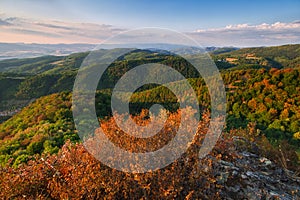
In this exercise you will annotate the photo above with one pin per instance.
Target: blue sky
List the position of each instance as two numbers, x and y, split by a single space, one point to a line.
189 15
182 15
185 15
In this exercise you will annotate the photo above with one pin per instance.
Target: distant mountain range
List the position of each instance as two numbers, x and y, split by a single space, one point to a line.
22 50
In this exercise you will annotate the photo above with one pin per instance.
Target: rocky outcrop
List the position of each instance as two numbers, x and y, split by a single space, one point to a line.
253 177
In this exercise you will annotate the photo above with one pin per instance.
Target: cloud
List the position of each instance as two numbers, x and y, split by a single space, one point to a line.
4 22
54 26
16 29
250 35
46 31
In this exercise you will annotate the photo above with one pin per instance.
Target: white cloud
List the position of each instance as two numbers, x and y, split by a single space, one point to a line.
13 29
41 31
250 35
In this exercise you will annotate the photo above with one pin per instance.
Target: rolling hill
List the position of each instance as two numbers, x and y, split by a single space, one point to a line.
266 100
286 56
40 151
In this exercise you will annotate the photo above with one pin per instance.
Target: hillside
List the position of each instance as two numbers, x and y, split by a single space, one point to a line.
283 56
43 126
286 56
28 79
41 154
58 72
269 98
242 164
38 65
266 100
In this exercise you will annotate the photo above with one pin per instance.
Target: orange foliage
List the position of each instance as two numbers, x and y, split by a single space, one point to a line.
75 174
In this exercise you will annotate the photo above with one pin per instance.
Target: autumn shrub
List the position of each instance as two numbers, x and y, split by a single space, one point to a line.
74 173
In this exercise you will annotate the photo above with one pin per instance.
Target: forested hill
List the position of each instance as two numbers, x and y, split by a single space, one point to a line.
291 51
266 100
44 64
35 77
257 93
286 56
41 153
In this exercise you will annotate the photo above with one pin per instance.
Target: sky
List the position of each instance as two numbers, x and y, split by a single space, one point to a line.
211 23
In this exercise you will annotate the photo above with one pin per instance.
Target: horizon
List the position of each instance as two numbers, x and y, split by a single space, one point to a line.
35 50
95 44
